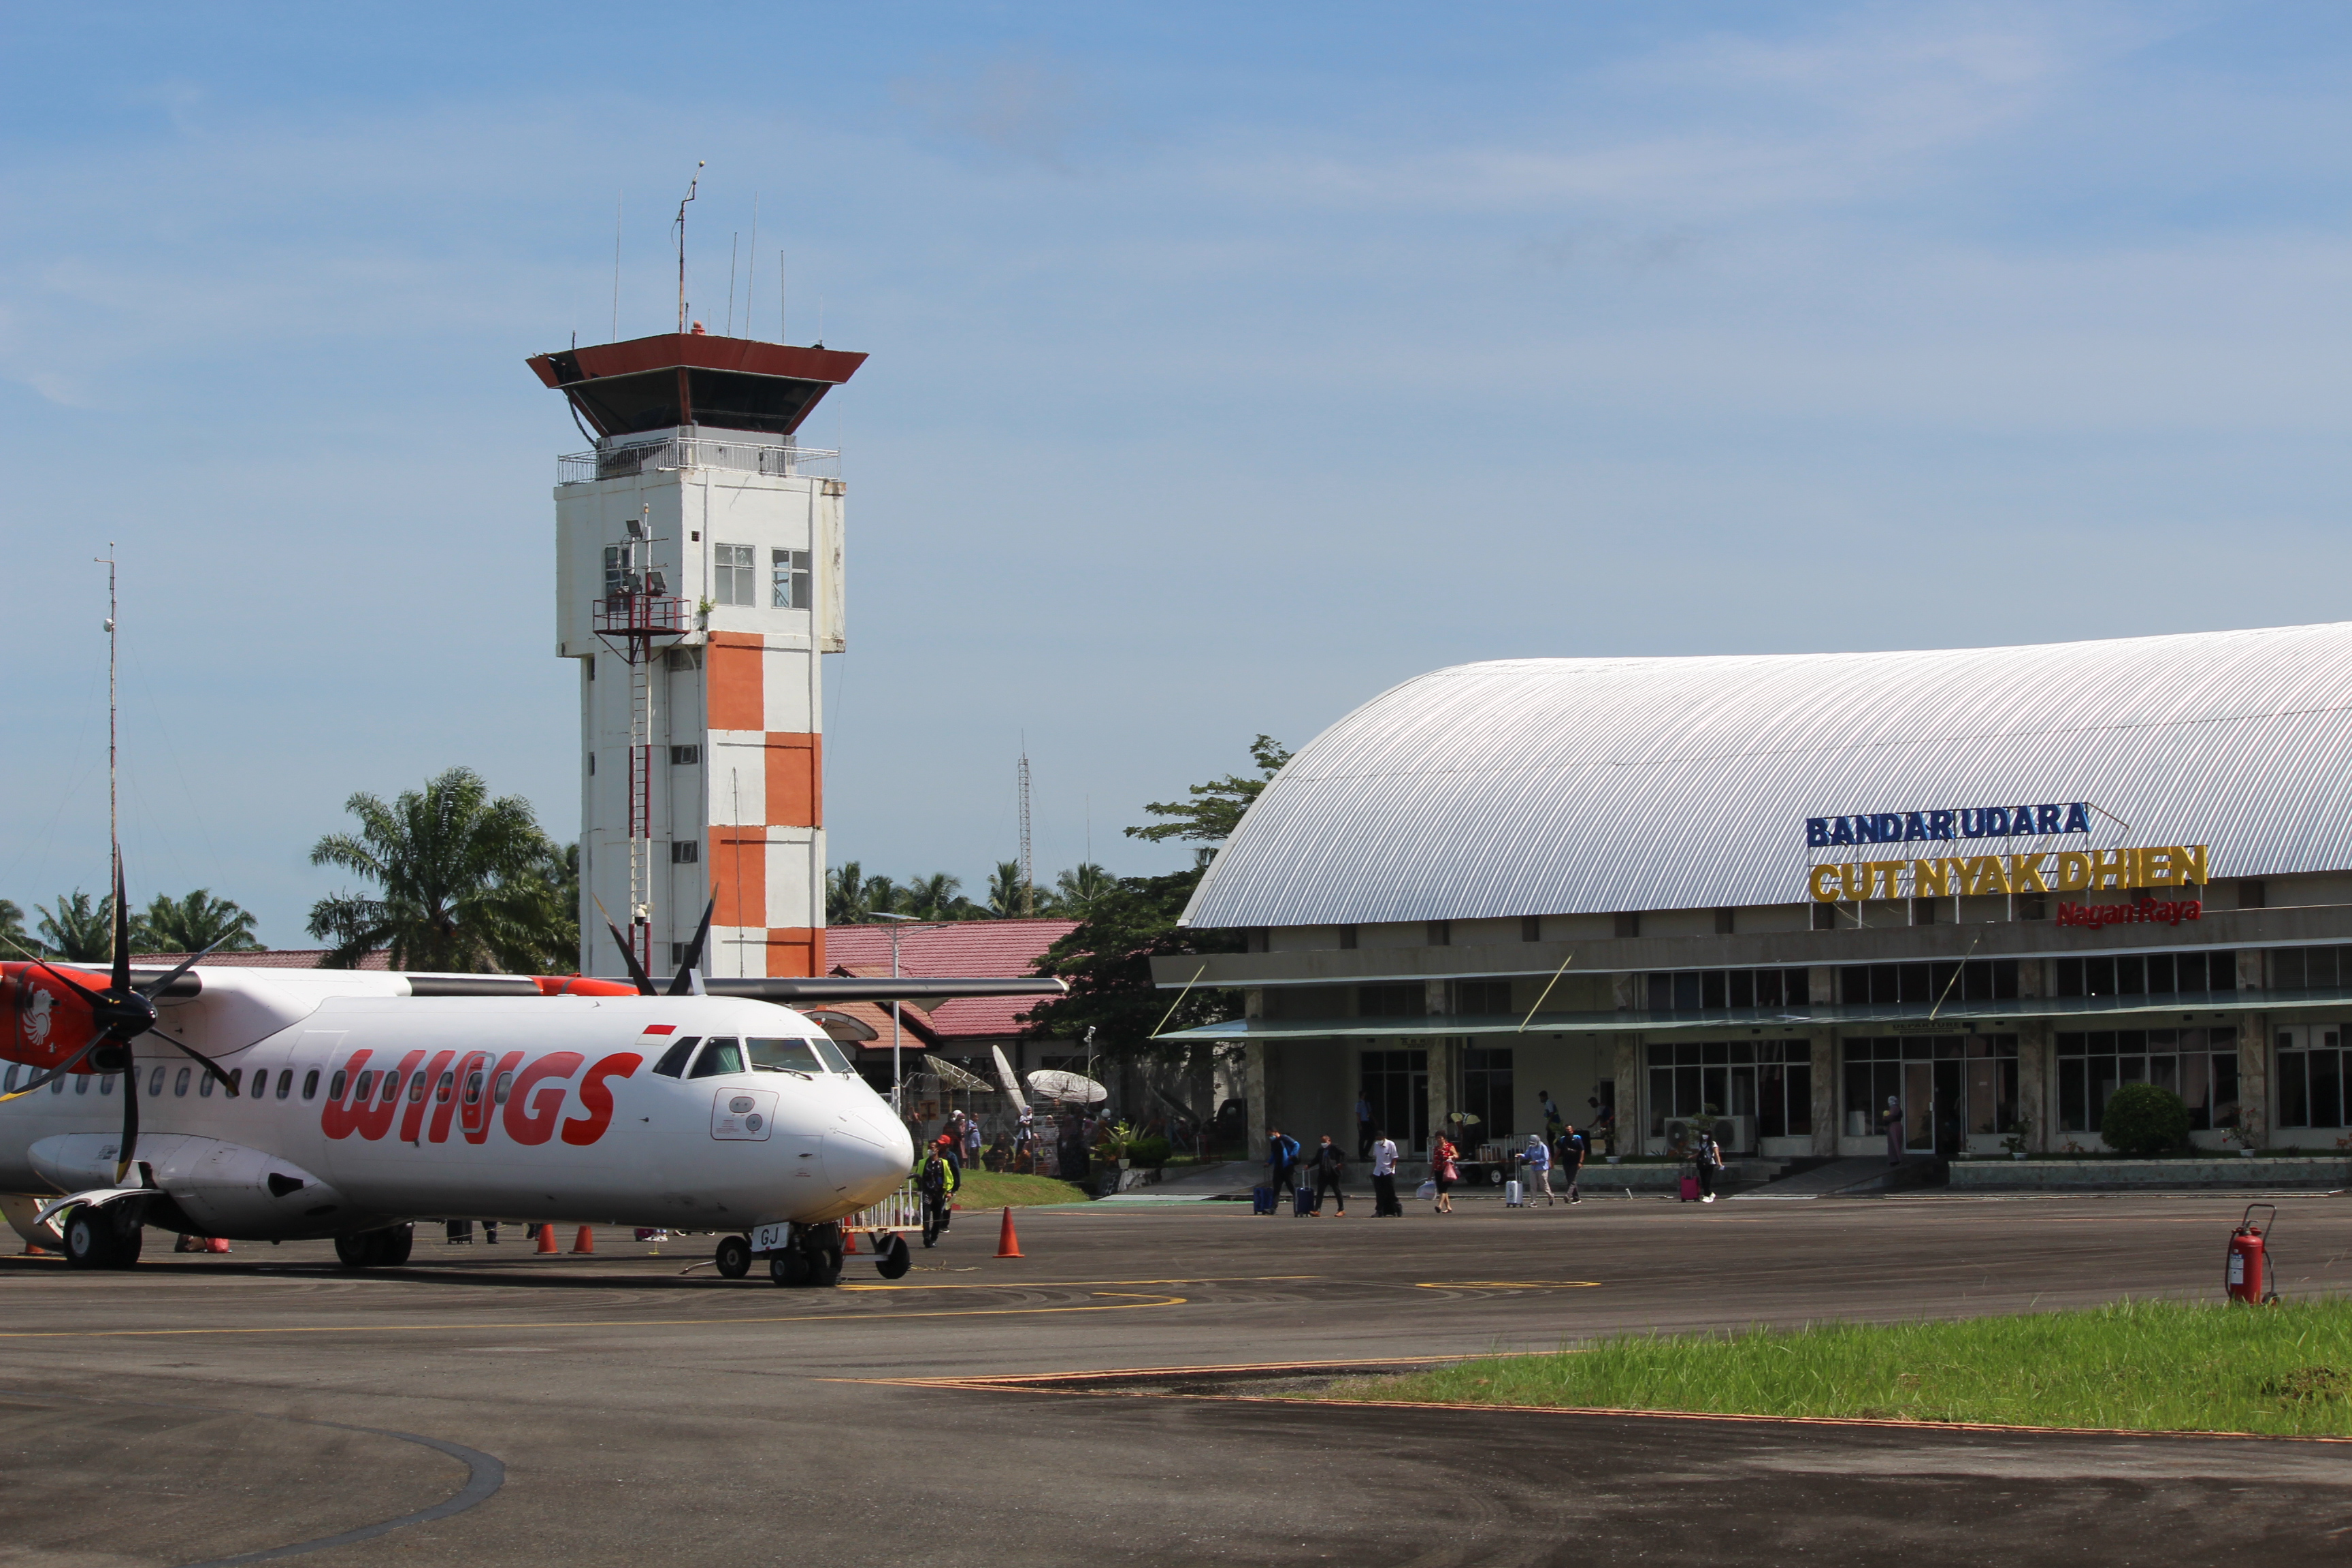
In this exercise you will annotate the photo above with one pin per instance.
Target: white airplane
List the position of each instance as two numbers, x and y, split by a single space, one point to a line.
279 1105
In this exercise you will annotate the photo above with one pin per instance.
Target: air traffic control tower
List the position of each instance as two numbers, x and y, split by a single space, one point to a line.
699 578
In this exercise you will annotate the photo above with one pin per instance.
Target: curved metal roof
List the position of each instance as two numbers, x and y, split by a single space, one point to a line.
1585 785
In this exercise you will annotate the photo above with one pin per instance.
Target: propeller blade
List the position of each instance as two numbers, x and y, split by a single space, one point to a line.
207 1063
130 1122
122 930
628 955
44 1080
155 988
688 981
68 981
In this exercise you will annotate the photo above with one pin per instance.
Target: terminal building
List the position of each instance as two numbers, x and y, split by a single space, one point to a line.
1983 887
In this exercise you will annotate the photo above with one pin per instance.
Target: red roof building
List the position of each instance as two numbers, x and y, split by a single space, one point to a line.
964 1029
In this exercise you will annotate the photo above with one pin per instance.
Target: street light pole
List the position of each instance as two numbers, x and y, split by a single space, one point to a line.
898 1075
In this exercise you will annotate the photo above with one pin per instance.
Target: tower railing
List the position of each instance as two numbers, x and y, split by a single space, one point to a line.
627 461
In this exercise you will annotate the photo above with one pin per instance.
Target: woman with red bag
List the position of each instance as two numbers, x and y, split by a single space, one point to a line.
1445 1168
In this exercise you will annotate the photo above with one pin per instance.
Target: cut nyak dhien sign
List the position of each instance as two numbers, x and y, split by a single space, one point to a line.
1976 821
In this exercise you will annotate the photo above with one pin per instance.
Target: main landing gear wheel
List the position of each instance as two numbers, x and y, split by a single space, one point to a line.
386 1249
96 1238
789 1268
734 1257
893 1259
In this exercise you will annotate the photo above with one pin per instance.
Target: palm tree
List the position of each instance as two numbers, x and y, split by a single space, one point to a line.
547 899
80 931
845 896
462 880
197 921
933 898
1076 890
882 896
14 940
1009 898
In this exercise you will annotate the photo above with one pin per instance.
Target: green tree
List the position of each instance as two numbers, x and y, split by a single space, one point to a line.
846 902
1009 898
935 898
1216 808
461 879
545 939
81 930
193 922
16 942
1076 890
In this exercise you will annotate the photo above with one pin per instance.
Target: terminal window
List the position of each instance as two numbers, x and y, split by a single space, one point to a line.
1391 1001
732 568
1770 1081
1396 1084
790 580
2310 1077
1946 1086
2156 974
2308 968
1487 1093
1692 989
1897 985
2201 1066
1482 997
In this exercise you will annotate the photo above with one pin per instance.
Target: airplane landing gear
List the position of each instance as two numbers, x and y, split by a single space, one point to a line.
892 1258
387 1249
813 1259
734 1257
102 1238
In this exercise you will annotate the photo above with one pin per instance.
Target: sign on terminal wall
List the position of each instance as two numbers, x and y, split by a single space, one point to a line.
2045 871
2051 820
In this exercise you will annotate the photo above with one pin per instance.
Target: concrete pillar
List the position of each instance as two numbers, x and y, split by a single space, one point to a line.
1435 995
1826 1094
2037 1098
1632 1116
2254 1048
1254 1089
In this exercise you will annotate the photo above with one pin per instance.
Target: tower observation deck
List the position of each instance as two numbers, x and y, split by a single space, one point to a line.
700 556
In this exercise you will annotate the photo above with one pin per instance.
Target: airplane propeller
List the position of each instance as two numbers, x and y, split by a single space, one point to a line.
122 1012
688 979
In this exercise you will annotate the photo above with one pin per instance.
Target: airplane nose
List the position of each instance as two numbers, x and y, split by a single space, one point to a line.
869 1156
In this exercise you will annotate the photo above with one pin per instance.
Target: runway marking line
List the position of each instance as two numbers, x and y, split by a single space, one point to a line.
1047 1383
1212 1280
595 1322
1507 1284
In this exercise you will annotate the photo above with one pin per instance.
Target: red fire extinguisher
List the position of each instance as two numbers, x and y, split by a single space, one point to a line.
2246 1267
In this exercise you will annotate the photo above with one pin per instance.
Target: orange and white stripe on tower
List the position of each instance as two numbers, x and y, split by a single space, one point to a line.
741 532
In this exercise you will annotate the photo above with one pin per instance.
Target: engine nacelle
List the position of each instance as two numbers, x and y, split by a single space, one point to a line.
46 1023
223 1189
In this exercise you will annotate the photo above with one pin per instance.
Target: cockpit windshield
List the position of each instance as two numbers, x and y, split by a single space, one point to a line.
783 1055
832 1054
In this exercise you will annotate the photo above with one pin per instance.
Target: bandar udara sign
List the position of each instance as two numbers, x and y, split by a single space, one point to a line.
2032 871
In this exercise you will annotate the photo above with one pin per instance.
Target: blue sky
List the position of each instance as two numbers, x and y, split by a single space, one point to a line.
1230 364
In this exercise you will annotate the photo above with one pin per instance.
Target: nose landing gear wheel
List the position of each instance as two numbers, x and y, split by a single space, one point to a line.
734 1257
893 1259
789 1268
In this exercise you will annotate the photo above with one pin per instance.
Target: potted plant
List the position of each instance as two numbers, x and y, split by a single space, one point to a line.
2020 1130
2237 1132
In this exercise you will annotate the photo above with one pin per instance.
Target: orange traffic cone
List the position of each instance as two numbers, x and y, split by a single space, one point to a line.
848 1242
585 1241
1007 1244
547 1239
216 1243
35 1249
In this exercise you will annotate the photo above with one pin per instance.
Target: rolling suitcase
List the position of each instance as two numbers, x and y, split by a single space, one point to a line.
1261 1200
1515 1195
1302 1202
1690 1189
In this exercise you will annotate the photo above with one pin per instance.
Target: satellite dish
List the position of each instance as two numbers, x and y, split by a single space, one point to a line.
1070 1086
1466 1119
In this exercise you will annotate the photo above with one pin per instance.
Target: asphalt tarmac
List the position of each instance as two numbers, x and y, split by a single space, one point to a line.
486 1405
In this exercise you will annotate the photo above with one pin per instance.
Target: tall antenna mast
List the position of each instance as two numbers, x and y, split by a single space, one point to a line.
1028 880
618 198
113 807
690 187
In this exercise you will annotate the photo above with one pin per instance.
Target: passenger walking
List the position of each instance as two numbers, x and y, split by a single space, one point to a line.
1364 1129
1281 1160
937 1180
1384 1158
1567 1156
1709 1155
1445 1168
1331 1164
1537 1158
1550 1113
970 1141
1893 1117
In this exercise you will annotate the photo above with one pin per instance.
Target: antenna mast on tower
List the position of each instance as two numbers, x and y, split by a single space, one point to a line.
1028 880
681 244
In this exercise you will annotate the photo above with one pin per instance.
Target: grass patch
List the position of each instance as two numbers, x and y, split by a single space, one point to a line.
996 1190
2140 1365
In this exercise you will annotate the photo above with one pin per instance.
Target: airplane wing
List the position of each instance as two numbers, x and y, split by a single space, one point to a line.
879 988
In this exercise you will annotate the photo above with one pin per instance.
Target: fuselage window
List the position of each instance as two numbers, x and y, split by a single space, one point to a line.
832 1054
81 1082
205 1087
473 1088
235 1076
9 1079
717 1057
310 1084
441 1091
180 1084
506 1082
285 1083
390 1087
57 1086
366 1087
416 1088
337 1084
106 1084
783 1055
673 1060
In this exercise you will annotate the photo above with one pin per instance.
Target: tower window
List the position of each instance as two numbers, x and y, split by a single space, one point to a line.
685 756
789 571
731 569
685 852
683 659
613 574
